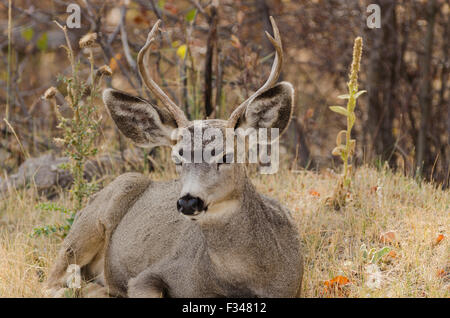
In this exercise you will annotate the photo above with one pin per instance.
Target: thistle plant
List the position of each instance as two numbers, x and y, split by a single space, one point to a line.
80 130
346 150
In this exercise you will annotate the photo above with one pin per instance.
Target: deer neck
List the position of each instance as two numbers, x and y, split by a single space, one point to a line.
228 227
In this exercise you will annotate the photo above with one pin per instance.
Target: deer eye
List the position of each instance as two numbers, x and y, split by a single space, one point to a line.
177 158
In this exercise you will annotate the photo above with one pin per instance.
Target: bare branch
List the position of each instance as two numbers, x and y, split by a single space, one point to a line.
273 77
178 114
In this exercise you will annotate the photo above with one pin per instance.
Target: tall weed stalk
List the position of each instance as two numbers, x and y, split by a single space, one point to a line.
345 146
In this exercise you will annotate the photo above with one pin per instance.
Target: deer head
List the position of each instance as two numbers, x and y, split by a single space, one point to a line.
215 180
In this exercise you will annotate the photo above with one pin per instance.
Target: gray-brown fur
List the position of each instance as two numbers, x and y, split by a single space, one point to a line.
132 241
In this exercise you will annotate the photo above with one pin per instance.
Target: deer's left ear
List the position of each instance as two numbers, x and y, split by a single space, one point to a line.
271 109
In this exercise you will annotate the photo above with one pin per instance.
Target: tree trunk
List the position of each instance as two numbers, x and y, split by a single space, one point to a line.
425 88
211 43
381 83
303 154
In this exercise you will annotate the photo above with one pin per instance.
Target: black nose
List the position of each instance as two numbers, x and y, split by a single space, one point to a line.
189 205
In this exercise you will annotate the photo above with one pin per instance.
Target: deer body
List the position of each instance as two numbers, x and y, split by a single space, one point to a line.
208 233
234 257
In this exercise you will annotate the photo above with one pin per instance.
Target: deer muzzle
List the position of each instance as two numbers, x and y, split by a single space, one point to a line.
189 205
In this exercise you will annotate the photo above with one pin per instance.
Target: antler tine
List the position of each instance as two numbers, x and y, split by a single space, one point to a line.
178 114
271 80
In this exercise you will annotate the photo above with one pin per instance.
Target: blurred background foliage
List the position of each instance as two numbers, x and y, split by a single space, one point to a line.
213 54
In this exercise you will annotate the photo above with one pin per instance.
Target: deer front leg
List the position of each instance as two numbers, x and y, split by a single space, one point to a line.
82 244
93 226
147 285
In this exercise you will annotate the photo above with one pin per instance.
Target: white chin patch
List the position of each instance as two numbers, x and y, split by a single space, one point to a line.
196 216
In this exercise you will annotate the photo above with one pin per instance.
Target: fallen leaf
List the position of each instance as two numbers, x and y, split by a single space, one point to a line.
336 285
338 281
392 254
441 273
314 193
390 257
439 239
388 237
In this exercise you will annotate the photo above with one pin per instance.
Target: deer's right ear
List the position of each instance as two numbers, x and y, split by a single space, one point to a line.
139 120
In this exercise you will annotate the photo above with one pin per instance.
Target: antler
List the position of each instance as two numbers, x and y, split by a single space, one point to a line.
177 113
273 77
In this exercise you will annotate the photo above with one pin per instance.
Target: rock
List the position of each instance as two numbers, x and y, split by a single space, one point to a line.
45 172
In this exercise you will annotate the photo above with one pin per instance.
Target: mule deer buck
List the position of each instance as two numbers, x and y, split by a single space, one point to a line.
207 234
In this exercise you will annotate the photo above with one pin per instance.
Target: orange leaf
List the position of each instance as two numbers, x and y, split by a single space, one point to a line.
113 62
171 8
441 273
439 239
388 237
338 281
336 286
314 193
392 254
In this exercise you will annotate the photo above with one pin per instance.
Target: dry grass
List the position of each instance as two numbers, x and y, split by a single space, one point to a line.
331 239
